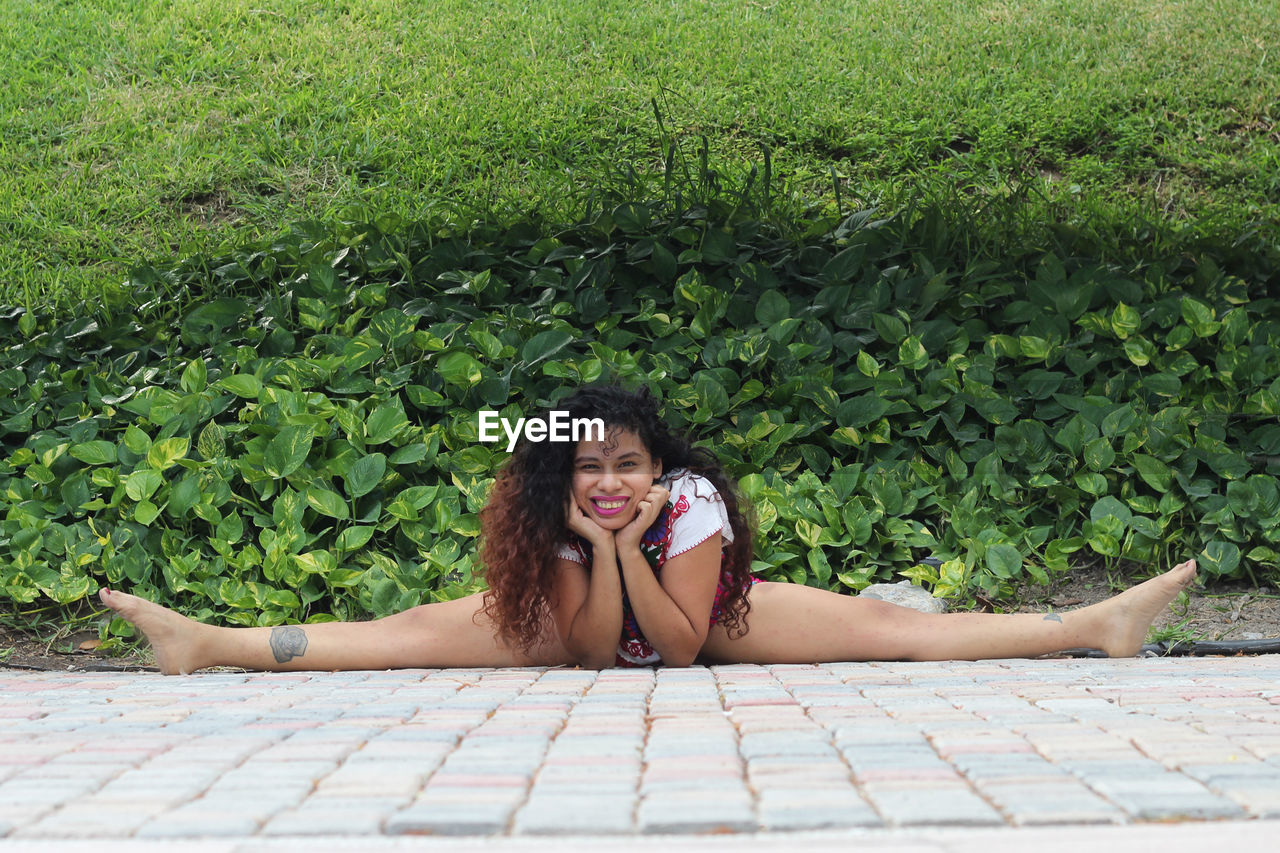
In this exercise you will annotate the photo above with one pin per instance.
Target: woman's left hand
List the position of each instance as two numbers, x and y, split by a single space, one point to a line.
650 507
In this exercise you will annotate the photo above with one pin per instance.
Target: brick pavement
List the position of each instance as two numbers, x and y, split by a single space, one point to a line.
872 750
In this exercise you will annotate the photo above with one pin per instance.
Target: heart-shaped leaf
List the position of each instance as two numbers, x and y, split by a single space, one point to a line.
365 474
287 451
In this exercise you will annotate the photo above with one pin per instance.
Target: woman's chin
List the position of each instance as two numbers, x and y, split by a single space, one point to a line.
614 522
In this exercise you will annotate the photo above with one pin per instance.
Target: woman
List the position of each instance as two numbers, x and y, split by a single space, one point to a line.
630 548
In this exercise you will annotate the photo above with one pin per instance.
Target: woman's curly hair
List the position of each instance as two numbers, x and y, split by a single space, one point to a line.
524 524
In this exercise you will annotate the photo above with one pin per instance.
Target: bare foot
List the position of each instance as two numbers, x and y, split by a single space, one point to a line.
173 637
1124 619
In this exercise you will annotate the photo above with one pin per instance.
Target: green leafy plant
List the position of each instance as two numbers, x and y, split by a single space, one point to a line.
289 432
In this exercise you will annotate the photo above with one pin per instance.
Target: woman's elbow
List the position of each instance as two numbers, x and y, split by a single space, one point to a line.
589 658
596 661
681 658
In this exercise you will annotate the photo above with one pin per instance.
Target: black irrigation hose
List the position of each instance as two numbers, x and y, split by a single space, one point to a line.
1195 648
1265 646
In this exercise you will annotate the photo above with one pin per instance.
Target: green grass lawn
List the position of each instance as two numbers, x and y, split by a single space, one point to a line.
137 131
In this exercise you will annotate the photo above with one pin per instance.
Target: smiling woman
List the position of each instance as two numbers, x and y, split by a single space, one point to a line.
591 564
610 474
633 550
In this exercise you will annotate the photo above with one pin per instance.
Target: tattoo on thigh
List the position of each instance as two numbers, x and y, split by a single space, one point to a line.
1052 617
288 643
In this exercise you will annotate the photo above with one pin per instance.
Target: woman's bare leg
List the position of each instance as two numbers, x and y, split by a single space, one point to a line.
790 623
452 633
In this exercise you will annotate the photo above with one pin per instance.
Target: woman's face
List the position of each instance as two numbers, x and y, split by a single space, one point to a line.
611 477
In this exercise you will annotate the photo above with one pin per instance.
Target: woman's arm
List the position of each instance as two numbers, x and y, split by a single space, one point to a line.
587 606
674 614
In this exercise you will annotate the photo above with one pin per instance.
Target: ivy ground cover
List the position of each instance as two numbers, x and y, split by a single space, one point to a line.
290 431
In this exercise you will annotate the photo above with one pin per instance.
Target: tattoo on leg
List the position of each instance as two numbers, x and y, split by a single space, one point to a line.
288 642
1052 617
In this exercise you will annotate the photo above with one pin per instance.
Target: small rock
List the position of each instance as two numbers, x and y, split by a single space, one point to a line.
905 594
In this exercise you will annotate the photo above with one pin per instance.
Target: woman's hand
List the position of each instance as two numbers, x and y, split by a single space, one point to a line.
650 506
584 526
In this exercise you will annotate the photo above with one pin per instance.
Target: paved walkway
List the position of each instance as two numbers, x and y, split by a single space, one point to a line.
901 756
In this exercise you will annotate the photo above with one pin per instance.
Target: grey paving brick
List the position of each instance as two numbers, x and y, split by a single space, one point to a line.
582 812
1233 773
1065 814
785 743
1168 784
577 785
1178 807
687 814
451 818
817 816
862 761
88 821
475 761
1116 769
1032 766
827 797
352 818
691 748
691 783
927 806
180 824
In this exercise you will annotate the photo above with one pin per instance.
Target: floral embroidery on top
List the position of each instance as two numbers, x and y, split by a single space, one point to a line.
656 546
657 537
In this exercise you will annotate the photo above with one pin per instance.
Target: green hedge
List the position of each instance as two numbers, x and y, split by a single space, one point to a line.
290 432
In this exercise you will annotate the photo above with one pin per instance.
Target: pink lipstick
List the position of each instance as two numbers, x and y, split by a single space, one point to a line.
606 507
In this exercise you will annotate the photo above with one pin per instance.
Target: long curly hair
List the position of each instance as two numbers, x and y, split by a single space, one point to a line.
524 524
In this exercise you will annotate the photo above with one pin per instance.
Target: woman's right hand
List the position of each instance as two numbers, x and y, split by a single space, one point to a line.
586 527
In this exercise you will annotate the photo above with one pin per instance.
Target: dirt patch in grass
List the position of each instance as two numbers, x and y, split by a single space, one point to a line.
1228 611
75 652
207 206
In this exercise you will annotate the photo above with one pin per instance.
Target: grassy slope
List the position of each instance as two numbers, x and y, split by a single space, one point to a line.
133 131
